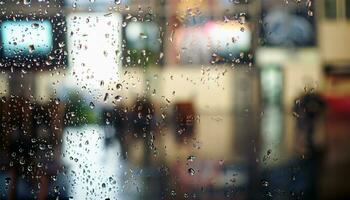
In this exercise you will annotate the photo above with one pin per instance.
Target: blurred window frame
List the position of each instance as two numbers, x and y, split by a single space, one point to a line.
338 10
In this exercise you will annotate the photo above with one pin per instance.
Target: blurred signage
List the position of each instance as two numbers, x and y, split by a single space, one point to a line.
225 40
36 42
24 38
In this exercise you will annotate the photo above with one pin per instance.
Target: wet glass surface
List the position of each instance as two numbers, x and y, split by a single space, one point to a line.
174 99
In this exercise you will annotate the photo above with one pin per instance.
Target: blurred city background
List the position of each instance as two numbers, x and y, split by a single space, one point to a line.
174 99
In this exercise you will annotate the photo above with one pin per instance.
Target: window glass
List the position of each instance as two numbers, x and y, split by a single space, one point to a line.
174 99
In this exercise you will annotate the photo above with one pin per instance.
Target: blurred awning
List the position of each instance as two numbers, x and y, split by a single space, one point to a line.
338 105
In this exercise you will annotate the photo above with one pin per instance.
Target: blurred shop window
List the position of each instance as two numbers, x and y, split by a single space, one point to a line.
330 9
213 42
211 32
142 44
347 9
337 9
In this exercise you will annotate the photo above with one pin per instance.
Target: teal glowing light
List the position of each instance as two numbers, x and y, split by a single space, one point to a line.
23 38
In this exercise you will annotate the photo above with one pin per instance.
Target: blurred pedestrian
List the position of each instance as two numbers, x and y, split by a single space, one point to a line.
308 110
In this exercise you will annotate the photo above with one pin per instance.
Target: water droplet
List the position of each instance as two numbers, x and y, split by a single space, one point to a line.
22 161
56 189
40 164
119 86
269 152
57 101
118 98
310 13
92 105
35 25
143 36
47 62
61 44
191 171
31 48
185 195
171 36
42 147
191 158
264 183
7 180
296 115
27 2
106 97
